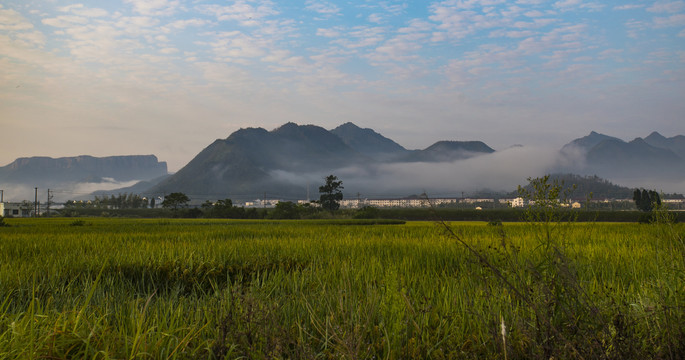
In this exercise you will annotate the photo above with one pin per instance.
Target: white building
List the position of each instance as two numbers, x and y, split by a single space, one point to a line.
518 202
390 203
262 203
14 210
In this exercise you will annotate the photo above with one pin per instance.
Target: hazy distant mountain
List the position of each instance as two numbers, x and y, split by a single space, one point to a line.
610 157
46 171
251 162
587 142
675 143
445 151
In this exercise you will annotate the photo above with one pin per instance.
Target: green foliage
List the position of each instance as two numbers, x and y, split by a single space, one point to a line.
562 318
646 200
586 185
224 209
175 200
77 223
331 193
3 223
367 212
226 289
285 210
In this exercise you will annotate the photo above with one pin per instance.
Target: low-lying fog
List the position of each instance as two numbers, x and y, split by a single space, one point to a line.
501 171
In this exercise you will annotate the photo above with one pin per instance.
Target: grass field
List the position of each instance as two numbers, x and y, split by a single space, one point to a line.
195 289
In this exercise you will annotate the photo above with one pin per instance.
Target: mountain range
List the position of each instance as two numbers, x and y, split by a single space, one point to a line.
611 157
290 161
254 161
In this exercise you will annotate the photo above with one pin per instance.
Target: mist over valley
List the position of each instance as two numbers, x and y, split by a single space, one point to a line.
290 162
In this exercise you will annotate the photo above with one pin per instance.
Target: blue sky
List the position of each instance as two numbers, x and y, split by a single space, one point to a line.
167 77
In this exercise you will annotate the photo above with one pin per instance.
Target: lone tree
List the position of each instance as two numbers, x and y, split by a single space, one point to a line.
646 200
175 201
331 193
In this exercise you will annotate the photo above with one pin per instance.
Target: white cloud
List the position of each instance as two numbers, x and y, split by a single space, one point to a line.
360 37
667 6
566 5
154 7
669 21
182 24
32 39
65 21
534 13
168 50
81 10
375 18
628 7
241 11
13 21
323 7
496 54
513 34
235 46
330 33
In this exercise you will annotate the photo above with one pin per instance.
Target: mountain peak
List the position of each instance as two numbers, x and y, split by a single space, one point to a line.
588 142
638 141
348 125
655 136
675 143
367 141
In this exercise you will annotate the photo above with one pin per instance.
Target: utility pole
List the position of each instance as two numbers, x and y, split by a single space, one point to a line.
35 204
264 201
50 196
2 196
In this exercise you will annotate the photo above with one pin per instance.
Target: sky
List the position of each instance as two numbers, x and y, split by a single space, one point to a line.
168 77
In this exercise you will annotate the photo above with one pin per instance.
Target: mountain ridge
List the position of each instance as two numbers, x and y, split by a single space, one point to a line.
254 161
611 157
277 161
82 168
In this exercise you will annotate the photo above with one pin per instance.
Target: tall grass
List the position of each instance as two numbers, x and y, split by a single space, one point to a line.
197 289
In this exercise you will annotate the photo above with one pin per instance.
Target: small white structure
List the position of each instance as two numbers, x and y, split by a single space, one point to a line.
517 202
14 210
258 203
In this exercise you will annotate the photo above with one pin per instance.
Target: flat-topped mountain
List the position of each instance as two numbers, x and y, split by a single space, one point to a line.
46 171
445 151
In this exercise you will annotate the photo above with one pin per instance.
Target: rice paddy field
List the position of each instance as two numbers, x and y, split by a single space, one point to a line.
96 288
